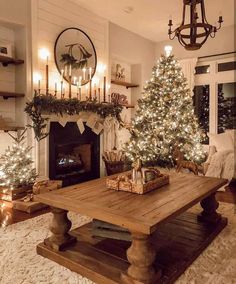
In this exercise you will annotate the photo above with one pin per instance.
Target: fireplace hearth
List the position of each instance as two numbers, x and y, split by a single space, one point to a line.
73 157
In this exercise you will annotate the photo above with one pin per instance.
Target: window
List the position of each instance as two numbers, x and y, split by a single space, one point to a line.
227 66
202 69
226 106
201 107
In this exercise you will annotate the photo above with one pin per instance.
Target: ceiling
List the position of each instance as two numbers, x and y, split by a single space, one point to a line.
149 18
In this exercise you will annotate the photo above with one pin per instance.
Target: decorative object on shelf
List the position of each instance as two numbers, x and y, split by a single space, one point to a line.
181 163
165 116
120 72
140 180
75 55
16 171
48 104
5 49
119 99
198 29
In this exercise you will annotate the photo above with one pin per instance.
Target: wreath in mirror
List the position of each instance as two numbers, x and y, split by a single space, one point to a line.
75 55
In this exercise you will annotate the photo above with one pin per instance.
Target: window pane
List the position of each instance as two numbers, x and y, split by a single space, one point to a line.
201 107
202 69
227 66
226 106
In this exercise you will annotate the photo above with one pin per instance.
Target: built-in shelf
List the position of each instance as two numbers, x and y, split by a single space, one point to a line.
7 95
9 60
125 84
11 128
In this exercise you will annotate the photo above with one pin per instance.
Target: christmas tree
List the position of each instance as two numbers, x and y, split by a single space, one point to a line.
165 118
16 165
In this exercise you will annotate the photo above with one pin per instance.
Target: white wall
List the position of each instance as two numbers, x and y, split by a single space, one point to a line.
223 42
135 50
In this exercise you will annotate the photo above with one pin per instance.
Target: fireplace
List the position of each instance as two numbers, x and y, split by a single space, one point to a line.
73 157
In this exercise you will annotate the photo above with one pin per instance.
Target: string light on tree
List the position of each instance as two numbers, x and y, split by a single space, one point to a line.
165 118
16 168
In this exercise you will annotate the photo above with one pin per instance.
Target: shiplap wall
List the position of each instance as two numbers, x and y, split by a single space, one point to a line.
54 16
7 83
50 17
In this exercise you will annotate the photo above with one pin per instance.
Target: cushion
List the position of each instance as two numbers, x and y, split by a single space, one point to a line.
232 133
221 141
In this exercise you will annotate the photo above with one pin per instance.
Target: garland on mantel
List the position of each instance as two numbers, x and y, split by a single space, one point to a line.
48 104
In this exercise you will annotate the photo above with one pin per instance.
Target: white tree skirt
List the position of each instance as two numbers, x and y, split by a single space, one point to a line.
19 263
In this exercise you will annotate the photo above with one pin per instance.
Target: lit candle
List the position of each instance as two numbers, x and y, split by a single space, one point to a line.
61 89
55 88
74 80
84 74
70 70
62 73
44 54
65 70
87 87
90 73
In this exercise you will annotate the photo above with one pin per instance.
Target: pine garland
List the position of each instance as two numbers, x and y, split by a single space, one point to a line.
48 104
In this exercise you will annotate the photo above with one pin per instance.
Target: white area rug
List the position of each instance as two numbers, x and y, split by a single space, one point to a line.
19 263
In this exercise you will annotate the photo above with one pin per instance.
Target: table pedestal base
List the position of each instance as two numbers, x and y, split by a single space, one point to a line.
177 244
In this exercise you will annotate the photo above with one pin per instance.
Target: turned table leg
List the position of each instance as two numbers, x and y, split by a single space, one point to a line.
209 214
59 227
141 256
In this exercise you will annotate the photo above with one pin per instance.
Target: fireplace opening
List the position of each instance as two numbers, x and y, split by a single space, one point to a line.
73 157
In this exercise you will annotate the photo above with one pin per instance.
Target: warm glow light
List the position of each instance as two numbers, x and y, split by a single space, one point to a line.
101 68
37 77
168 50
44 53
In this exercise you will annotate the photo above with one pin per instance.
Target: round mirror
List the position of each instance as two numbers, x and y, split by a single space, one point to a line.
75 56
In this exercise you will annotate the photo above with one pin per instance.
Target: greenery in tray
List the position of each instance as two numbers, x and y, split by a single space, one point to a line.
48 104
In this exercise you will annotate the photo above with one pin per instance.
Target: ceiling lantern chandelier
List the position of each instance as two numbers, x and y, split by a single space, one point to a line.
194 34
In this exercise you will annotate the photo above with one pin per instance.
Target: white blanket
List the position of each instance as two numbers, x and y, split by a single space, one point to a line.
222 165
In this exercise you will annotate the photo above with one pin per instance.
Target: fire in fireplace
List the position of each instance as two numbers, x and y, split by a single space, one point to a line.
73 157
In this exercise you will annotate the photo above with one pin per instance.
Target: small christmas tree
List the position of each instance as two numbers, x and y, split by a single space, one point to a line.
165 118
16 165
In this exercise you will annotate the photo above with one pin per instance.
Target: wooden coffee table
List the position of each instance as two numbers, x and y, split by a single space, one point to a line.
165 238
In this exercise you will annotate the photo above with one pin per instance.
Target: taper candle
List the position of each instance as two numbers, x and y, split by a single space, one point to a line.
84 74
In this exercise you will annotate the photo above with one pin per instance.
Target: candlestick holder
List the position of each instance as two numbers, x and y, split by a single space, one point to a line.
70 77
61 89
104 89
90 89
47 79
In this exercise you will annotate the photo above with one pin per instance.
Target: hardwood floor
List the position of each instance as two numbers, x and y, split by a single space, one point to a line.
9 216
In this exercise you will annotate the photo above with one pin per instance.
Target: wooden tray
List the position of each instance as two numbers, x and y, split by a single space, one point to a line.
130 186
